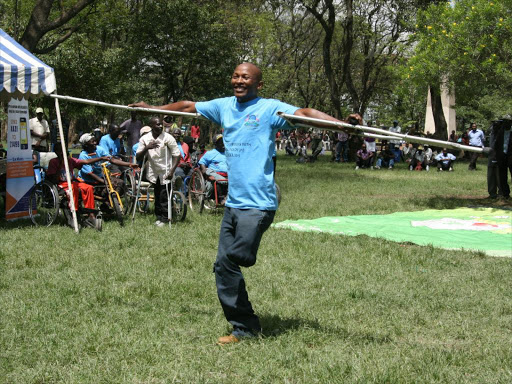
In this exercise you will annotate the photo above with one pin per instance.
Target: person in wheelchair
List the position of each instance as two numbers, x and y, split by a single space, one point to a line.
56 173
214 166
92 173
185 166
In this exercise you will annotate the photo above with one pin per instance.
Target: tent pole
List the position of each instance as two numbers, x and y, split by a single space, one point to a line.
66 165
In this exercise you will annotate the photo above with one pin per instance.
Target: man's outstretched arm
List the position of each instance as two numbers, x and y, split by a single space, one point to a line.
180 106
316 114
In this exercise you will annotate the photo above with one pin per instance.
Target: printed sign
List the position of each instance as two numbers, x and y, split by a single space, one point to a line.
20 172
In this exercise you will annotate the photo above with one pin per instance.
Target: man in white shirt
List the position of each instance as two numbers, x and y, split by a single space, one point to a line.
445 161
163 157
39 130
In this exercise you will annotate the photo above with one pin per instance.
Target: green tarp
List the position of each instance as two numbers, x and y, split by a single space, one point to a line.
479 229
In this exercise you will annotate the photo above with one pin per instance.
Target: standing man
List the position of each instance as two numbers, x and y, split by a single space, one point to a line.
39 131
500 159
476 139
342 146
249 126
132 127
195 132
163 156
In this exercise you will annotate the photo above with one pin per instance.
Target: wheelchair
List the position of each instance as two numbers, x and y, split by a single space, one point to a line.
198 198
146 196
47 201
109 200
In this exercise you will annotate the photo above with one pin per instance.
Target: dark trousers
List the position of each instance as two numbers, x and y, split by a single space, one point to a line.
342 148
161 198
240 235
364 163
472 160
444 166
497 178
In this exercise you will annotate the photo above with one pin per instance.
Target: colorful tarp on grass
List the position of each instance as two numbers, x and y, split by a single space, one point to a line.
478 229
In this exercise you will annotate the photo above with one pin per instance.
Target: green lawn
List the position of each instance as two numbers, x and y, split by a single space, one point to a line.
137 304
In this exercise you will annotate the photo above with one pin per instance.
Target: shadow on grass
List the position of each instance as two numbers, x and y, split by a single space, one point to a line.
274 326
452 202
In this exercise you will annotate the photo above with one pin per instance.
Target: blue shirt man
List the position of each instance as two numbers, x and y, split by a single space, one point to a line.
111 142
249 126
215 159
476 139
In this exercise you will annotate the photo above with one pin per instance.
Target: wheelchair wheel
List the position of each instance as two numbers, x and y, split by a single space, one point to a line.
196 189
117 209
179 206
130 191
44 204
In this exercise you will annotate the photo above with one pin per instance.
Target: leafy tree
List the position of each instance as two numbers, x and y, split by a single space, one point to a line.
467 45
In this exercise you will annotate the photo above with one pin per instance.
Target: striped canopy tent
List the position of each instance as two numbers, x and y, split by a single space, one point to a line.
21 73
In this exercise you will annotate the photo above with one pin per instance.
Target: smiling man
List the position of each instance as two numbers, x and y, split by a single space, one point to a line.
249 125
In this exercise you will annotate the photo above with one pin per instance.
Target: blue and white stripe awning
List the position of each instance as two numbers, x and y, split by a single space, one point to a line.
21 73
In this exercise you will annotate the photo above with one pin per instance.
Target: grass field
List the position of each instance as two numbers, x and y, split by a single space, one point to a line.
137 304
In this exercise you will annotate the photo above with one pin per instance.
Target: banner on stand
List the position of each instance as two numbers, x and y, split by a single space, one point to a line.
20 171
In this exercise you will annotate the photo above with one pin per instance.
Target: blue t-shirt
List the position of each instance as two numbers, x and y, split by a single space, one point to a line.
249 131
134 149
113 147
215 160
94 167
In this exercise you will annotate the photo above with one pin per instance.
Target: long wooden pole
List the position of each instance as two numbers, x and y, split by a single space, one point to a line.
339 126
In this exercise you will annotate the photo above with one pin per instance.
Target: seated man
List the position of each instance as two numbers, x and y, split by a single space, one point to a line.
185 165
419 161
364 158
213 164
92 173
445 161
56 173
386 158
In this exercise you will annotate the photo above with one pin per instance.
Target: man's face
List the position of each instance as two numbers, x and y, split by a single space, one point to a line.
39 116
363 147
246 82
177 134
156 127
473 127
445 151
91 145
219 145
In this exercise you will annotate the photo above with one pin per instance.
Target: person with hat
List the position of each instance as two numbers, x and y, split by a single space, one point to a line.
249 125
92 173
162 160
214 165
419 161
39 131
143 131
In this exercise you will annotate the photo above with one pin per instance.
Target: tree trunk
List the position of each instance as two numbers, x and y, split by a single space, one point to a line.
437 111
40 24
